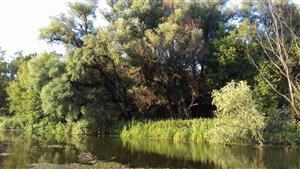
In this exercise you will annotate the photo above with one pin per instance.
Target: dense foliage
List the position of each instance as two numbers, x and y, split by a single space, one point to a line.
161 59
3 83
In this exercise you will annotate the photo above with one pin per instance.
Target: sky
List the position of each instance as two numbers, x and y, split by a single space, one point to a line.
21 20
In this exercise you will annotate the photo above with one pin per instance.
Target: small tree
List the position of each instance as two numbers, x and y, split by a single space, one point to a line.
238 118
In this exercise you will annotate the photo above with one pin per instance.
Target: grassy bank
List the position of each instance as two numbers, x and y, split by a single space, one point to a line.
173 130
48 128
217 130
208 131
240 119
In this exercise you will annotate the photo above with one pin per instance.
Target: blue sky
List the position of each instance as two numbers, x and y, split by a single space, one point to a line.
21 20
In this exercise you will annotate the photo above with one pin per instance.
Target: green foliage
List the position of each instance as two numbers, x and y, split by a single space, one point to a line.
3 83
84 126
43 100
238 117
24 93
70 29
32 76
165 46
282 133
234 99
265 95
15 64
43 69
173 130
56 99
228 59
7 123
278 61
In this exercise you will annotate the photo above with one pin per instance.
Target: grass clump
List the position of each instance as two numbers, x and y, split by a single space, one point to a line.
172 130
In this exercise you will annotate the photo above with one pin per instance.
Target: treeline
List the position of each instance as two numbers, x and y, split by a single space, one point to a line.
157 59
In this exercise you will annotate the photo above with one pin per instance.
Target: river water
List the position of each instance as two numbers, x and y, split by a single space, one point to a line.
18 151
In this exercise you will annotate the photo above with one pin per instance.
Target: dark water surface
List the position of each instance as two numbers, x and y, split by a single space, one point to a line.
19 152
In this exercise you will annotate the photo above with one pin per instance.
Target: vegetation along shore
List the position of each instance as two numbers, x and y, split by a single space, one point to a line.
183 71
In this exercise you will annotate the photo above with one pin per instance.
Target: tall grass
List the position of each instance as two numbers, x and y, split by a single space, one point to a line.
173 130
205 131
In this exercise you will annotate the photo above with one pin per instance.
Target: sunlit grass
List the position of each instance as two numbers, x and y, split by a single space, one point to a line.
173 130
203 131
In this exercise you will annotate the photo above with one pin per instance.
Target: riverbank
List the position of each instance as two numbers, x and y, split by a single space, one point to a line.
173 130
206 131
98 165
229 131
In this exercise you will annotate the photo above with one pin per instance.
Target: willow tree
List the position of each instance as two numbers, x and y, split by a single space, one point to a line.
93 79
166 45
24 92
70 28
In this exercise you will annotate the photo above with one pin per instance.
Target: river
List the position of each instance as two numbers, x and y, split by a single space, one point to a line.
19 151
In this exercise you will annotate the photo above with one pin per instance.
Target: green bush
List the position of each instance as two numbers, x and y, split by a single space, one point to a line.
281 130
81 127
238 118
8 123
48 126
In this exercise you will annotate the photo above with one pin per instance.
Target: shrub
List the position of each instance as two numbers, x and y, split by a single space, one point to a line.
238 118
84 126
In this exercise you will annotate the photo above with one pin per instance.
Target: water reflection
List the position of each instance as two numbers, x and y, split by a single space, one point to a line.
18 151
220 156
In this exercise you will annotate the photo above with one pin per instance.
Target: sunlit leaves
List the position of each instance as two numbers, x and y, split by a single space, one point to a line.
32 76
70 29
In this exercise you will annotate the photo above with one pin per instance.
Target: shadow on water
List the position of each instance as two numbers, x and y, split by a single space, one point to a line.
18 151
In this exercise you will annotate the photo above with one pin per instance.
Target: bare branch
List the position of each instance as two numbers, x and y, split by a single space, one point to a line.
277 49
